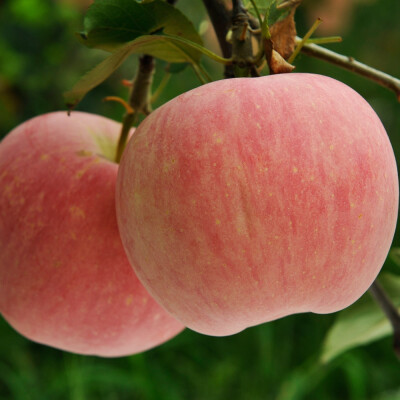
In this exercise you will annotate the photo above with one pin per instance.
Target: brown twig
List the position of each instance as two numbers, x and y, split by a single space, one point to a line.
390 311
353 65
220 18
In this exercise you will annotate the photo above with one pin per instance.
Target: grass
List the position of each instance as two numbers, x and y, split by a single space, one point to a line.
271 361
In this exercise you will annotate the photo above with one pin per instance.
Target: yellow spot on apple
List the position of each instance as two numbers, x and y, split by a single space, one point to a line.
270 194
218 140
129 300
226 194
331 147
84 153
258 125
360 216
217 222
77 212
44 157
352 205
214 164
258 106
313 276
295 170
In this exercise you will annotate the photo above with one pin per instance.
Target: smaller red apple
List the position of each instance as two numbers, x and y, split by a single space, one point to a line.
65 280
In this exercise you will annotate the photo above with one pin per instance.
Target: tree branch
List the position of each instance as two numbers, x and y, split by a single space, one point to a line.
390 311
351 64
220 18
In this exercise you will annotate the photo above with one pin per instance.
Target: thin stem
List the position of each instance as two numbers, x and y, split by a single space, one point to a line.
325 40
129 120
352 65
303 41
390 311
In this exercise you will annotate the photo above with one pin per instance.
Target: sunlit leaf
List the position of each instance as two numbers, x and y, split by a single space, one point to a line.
269 8
109 24
362 323
172 49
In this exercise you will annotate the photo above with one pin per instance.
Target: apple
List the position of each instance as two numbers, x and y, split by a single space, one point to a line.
65 280
249 199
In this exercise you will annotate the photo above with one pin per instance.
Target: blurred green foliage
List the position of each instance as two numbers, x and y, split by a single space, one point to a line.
39 60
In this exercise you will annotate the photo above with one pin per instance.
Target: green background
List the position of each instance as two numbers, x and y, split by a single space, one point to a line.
39 60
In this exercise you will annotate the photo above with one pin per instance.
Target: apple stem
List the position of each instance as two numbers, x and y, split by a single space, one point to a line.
139 100
351 64
390 311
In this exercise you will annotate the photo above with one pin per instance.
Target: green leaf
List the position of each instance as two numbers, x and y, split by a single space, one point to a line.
94 77
262 5
269 8
176 68
362 323
109 24
173 49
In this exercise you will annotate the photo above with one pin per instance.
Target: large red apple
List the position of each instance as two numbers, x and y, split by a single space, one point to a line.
246 200
65 280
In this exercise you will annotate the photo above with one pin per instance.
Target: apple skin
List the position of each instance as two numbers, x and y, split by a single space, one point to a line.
65 280
249 199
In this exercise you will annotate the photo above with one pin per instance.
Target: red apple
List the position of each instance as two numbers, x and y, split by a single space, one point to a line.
246 200
65 280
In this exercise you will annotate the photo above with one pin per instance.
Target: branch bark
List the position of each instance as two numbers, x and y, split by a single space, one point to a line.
220 18
352 65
